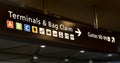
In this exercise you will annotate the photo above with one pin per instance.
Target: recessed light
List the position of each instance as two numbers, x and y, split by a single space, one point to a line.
35 57
82 51
109 62
90 61
66 60
110 55
43 46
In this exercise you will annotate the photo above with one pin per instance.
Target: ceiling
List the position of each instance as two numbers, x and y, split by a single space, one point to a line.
81 10
20 52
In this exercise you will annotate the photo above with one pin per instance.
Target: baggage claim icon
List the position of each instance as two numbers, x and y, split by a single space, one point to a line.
55 33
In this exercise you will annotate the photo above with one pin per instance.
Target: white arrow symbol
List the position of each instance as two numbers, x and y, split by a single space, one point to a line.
78 32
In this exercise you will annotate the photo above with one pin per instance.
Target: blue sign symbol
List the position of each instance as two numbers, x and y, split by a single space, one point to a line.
26 27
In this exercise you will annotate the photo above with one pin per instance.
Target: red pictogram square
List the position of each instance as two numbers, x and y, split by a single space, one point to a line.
10 24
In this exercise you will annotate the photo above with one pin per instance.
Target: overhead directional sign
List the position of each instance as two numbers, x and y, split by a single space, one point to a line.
32 25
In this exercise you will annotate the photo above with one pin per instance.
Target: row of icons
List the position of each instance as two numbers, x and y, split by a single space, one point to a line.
40 30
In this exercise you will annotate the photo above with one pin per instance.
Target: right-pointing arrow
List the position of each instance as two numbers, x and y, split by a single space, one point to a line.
78 32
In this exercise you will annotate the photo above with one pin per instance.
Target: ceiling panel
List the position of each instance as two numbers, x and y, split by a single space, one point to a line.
82 10
94 55
4 44
27 49
58 52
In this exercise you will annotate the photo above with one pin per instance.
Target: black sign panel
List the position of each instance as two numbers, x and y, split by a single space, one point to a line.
20 22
